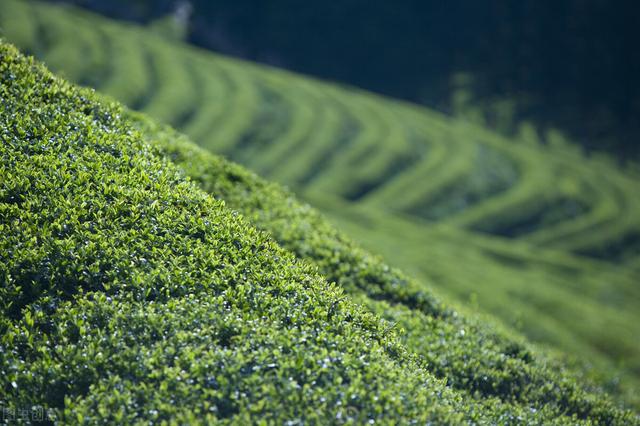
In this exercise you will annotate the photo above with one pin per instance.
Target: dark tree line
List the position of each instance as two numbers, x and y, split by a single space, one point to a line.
570 64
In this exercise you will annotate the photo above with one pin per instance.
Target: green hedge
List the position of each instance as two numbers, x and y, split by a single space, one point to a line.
129 294
411 164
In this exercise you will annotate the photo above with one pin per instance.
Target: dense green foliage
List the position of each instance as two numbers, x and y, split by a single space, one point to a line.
129 293
124 282
537 235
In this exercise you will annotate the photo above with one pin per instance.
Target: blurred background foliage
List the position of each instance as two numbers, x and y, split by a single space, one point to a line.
571 65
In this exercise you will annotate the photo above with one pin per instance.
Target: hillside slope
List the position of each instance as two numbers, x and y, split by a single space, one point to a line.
539 236
130 294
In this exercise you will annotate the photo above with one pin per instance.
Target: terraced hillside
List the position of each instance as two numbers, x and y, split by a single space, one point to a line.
536 234
131 295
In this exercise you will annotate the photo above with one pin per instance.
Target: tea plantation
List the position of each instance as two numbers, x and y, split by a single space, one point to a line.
146 278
